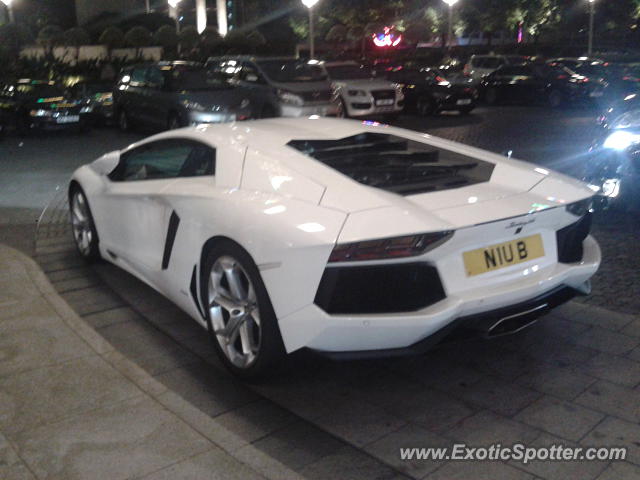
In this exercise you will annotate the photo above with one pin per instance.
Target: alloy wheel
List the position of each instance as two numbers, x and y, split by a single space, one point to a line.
234 312
81 223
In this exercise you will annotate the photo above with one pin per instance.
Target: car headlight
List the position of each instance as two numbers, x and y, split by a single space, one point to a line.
357 93
193 106
290 98
41 113
621 140
388 248
87 109
245 103
580 208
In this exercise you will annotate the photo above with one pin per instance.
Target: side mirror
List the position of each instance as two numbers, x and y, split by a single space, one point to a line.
106 163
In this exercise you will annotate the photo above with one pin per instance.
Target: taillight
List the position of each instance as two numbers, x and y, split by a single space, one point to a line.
387 248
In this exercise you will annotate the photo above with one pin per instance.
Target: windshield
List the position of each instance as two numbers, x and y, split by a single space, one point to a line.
292 71
40 90
349 72
192 78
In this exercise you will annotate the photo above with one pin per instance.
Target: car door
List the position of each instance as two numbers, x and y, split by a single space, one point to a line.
134 100
156 101
136 214
250 78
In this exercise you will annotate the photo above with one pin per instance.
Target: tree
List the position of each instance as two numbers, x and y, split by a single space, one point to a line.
167 38
50 37
211 41
112 37
337 34
189 38
488 16
138 37
76 37
14 36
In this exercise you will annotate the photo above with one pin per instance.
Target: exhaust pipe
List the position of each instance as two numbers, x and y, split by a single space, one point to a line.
516 322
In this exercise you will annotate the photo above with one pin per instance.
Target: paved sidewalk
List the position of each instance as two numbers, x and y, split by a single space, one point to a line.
72 407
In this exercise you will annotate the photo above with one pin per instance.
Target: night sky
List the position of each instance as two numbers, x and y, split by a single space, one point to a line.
41 12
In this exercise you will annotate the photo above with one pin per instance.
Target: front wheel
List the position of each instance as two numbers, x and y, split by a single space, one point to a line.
555 99
241 320
492 96
124 123
85 234
173 122
426 106
466 110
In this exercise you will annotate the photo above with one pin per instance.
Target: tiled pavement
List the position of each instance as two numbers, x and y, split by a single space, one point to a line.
573 379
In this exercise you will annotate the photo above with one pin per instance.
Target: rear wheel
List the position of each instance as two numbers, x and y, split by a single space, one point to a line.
426 106
267 112
492 96
241 320
84 230
466 110
124 123
342 110
173 122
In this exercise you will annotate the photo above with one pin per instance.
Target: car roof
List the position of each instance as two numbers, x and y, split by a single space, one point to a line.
250 58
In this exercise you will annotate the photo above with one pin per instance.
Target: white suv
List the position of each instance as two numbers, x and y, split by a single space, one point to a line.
362 95
479 66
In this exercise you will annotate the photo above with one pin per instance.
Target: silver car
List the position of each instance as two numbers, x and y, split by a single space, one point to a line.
285 87
177 94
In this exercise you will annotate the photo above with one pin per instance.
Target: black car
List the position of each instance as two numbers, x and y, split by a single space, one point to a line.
38 104
95 99
176 94
427 92
553 85
613 162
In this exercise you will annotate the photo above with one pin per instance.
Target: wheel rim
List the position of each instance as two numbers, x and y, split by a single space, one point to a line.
234 312
81 223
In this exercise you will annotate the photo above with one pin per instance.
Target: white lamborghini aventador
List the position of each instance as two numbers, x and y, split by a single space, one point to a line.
345 237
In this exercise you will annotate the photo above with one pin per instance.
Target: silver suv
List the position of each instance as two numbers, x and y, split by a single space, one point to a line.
177 94
285 87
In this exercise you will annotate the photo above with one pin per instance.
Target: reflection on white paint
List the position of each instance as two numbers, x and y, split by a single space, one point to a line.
472 199
542 171
278 180
311 227
276 209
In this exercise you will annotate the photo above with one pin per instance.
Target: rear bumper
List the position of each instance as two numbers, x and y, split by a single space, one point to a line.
313 328
321 109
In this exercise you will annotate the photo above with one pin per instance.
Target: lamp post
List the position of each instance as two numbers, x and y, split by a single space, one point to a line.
451 3
173 12
592 11
9 10
147 6
312 47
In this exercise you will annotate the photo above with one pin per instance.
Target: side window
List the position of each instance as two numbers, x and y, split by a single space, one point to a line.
166 159
250 74
154 78
138 77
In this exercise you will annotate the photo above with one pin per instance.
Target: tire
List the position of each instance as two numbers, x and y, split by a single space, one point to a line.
390 117
230 275
426 106
342 111
267 112
555 99
124 122
84 230
492 96
466 110
173 122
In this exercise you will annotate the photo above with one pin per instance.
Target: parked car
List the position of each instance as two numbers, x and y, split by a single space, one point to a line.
345 237
613 162
38 104
479 66
170 95
286 87
537 83
427 92
95 99
362 95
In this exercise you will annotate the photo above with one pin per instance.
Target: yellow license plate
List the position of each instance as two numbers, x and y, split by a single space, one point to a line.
501 255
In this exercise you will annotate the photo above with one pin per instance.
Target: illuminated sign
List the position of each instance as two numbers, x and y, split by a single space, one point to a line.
387 38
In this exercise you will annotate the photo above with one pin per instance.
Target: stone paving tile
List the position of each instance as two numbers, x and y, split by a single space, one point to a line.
214 464
613 432
553 350
564 382
11 466
632 329
635 354
479 471
36 341
612 399
128 439
69 274
43 395
151 349
600 317
65 264
388 448
92 300
298 445
442 376
256 420
621 471
109 317
359 423
560 470
212 391
77 283
12 307
348 464
486 428
607 341
505 398
560 418
614 369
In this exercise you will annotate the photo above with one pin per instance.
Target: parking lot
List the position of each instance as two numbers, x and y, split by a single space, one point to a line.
572 379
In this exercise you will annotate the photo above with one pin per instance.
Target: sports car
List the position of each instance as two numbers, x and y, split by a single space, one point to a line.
344 237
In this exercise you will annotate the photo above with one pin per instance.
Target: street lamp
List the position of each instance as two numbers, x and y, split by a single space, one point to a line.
173 12
451 3
310 4
592 11
9 10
